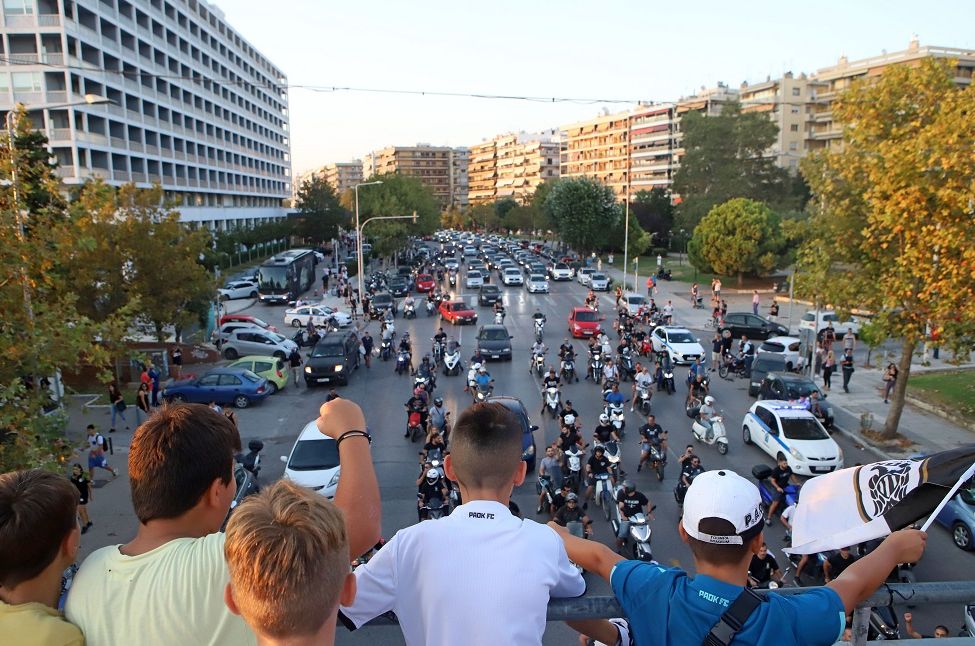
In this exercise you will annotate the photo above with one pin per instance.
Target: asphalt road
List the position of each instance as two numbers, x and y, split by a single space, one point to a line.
382 394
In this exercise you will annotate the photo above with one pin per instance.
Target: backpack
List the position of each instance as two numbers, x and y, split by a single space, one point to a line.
100 439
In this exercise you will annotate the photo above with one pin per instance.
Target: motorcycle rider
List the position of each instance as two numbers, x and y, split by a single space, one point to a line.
605 431
763 569
597 465
569 435
697 389
538 316
429 486
570 513
425 369
408 301
483 379
566 349
417 404
499 309
652 434
440 338
782 476
591 300
551 379
367 345
438 418
642 379
610 372
549 468
630 502
705 413
435 448
614 397
538 348
691 469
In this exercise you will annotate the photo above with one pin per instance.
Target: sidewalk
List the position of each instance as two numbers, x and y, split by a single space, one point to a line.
929 433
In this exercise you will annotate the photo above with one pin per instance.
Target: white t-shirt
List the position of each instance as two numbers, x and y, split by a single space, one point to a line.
479 577
787 513
171 595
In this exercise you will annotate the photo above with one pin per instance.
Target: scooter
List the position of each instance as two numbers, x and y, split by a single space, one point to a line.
658 461
553 401
433 510
414 427
568 368
545 485
451 362
614 455
596 366
481 393
762 473
644 396
639 531
437 351
627 370
409 311
539 329
601 493
402 362
668 381
617 417
539 362
715 435
573 462
430 308
499 318
385 350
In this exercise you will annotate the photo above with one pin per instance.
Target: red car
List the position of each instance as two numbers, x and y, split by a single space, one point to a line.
425 283
458 312
584 322
245 318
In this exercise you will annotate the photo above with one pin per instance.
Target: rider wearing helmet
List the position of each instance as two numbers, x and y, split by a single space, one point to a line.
571 513
538 348
706 412
597 465
630 502
425 370
483 378
605 432
438 417
429 486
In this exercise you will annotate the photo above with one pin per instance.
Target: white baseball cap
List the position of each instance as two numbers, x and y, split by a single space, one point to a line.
726 495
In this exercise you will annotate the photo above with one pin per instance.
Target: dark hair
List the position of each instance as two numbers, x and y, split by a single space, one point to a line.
176 455
37 511
90 426
722 554
486 445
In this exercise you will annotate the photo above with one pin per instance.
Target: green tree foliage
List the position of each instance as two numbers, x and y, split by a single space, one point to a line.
725 159
397 195
655 213
320 211
583 211
892 229
454 218
638 242
522 218
739 237
503 206
484 217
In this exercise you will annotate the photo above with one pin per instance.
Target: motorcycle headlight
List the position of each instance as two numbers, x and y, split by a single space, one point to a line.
530 451
795 453
308 370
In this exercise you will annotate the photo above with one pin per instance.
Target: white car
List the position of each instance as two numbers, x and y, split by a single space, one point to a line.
474 279
320 315
560 271
634 302
582 276
537 284
314 462
451 263
826 317
678 342
599 282
238 289
787 429
786 347
512 276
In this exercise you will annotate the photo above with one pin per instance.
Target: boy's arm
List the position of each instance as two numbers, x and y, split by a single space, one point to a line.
592 556
862 578
358 492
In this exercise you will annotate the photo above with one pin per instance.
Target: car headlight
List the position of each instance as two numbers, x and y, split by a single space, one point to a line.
308 370
795 453
839 454
335 479
339 368
530 451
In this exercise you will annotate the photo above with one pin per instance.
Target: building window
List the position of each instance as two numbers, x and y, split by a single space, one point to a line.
795 109
27 81
4 82
794 127
18 7
796 91
793 146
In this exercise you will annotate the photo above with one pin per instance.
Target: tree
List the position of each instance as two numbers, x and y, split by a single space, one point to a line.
485 217
873 335
320 212
521 218
637 242
397 195
725 158
738 237
584 212
503 206
655 213
453 218
894 208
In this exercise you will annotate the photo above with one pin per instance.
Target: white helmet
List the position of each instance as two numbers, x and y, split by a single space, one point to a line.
709 400
569 420
476 366
482 369
604 418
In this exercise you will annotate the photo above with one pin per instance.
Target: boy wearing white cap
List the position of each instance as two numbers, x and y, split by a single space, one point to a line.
722 524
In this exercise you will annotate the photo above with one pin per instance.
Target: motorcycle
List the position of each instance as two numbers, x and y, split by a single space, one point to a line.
499 318
452 279
680 491
639 531
568 368
658 460
539 360
409 311
423 381
385 350
451 362
762 473
601 493
573 463
545 485
438 348
667 383
664 273
402 362
732 366
715 435
617 417
433 510
596 366
482 392
644 396
430 308
252 460
539 329
614 455
413 426
627 369
553 401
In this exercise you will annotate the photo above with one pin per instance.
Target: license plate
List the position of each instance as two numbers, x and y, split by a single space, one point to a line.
495 356
322 379
821 469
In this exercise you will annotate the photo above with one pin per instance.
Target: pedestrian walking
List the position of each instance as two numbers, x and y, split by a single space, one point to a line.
83 484
367 346
849 340
117 402
819 358
846 365
176 362
97 445
828 365
142 403
716 346
155 376
352 307
756 301
716 287
365 306
773 311
890 380
295 360
650 284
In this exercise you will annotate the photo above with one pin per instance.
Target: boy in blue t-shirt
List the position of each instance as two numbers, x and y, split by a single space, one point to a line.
722 524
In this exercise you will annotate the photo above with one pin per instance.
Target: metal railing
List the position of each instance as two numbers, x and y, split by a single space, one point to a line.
962 592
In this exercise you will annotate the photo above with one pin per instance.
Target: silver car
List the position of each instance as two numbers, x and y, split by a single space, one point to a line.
252 340
537 284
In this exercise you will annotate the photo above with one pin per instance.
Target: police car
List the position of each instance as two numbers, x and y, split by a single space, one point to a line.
787 429
678 342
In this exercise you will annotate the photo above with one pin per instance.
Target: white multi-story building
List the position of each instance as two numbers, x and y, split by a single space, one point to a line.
194 107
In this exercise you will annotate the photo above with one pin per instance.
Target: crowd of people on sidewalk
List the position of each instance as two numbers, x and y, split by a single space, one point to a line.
281 571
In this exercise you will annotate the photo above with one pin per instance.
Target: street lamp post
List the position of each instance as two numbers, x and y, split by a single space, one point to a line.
358 235
626 239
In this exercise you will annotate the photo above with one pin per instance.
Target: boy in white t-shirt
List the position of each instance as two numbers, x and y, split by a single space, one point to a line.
480 576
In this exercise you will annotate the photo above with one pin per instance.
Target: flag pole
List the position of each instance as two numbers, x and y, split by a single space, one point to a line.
951 492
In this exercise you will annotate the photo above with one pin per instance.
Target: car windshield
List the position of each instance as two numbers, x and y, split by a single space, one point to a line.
277 338
473 273
636 300
273 277
598 277
802 428
313 455
511 270
772 347
680 337
489 289
537 279
327 350
797 389
561 265
250 376
383 299
586 316
494 335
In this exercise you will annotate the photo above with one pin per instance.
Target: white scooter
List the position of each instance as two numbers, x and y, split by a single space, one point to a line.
499 318
573 460
639 531
539 361
539 329
451 361
643 398
716 435
553 400
616 417
409 311
430 308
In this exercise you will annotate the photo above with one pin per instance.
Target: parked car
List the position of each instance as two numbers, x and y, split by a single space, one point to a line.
599 282
314 461
251 340
808 322
488 295
320 316
271 368
246 318
238 289
474 279
584 322
959 517
762 365
583 275
787 346
791 387
560 271
458 312
753 326
332 359
512 276
225 386
678 342
789 430
380 303
537 284
528 447
494 342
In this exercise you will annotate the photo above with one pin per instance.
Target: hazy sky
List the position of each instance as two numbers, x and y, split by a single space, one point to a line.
609 49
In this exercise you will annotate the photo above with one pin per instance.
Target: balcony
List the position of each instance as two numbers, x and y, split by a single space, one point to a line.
59 134
121 175
139 177
57 96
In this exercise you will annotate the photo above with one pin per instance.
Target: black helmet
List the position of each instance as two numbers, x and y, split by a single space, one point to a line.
628 486
438 401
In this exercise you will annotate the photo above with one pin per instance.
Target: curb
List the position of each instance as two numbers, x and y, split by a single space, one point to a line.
934 410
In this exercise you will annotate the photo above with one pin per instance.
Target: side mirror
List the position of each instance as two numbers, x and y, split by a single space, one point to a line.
284 459
533 428
511 336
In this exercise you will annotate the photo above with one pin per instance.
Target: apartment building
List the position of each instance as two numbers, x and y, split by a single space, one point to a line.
432 165
342 176
194 106
784 101
654 133
822 131
482 172
599 148
513 165
460 159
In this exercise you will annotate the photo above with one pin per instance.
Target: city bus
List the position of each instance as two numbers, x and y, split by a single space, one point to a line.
284 277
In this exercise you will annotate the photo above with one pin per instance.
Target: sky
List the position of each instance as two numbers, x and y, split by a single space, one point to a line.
616 50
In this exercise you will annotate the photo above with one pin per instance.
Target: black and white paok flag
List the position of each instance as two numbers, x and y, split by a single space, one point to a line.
862 503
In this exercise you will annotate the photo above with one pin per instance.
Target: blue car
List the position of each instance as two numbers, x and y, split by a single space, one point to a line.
235 386
959 517
527 428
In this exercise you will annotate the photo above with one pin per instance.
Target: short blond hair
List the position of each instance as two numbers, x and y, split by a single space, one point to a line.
288 557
